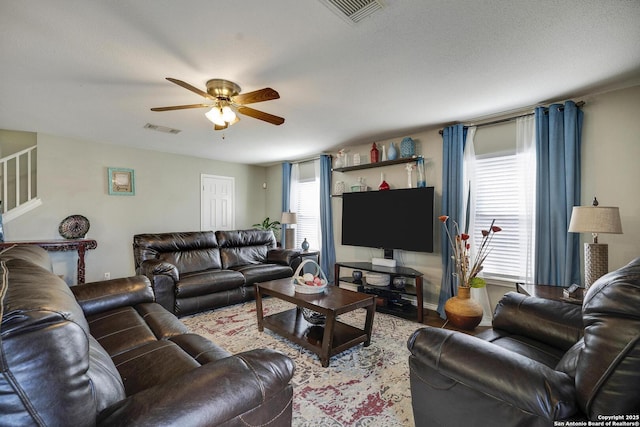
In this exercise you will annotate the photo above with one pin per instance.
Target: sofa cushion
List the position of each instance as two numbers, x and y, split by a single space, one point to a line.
34 254
53 373
152 364
242 247
607 372
254 273
188 251
207 282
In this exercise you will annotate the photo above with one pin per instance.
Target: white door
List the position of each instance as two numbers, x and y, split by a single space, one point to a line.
217 202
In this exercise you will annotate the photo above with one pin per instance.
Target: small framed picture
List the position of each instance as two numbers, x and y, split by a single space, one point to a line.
121 182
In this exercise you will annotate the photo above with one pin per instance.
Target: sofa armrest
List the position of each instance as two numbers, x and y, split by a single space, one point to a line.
491 370
96 297
553 322
283 256
154 267
211 394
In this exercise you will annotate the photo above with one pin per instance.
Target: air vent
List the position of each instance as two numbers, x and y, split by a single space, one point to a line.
353 10
162 128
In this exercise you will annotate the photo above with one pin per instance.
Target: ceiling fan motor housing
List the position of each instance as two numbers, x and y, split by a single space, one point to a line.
221 88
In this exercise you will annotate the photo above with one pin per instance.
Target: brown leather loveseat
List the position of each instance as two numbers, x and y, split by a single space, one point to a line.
543 361
106 354
195 271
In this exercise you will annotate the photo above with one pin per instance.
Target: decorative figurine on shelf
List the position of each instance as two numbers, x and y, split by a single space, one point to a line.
409 167
422 181
305 245
393 152
407 147
374 154
383 184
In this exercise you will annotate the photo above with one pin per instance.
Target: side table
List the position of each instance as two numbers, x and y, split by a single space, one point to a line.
549 292
79 245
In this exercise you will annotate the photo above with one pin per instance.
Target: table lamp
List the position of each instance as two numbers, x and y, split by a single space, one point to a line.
289 219
595 219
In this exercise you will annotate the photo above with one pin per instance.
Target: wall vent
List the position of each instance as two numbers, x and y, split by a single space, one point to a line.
353 10
162 128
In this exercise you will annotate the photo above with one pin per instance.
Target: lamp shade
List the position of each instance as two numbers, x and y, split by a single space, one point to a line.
595 219
289 218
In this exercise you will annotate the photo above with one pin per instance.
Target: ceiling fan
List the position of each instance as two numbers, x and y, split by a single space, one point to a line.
224 95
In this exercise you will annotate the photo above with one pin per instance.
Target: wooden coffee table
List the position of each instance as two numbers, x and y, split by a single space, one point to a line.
325 341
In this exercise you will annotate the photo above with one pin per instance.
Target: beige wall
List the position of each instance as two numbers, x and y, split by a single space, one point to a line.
610 153
72 179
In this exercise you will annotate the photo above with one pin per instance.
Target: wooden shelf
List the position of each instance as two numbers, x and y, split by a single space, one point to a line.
377 164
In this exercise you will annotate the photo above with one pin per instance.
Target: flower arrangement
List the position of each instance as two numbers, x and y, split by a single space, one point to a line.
467 271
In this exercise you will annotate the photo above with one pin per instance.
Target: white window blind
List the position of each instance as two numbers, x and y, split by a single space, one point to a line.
308 213
497 197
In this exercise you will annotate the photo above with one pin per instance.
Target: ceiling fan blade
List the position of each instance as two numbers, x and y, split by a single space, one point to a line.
181 107
191 88
266 94
261 115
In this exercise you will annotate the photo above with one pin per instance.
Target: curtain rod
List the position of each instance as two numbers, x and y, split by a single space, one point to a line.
509 119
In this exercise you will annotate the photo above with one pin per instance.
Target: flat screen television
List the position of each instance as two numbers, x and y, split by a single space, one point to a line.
391 219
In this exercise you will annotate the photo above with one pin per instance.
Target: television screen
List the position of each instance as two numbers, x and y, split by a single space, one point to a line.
392 219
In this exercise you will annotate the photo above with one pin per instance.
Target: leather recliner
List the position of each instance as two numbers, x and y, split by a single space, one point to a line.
543 361
106 354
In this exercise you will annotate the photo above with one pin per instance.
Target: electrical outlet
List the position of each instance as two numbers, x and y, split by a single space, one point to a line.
107 276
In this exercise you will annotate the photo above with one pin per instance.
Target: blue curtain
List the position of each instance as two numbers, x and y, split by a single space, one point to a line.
453 138
286 188
558 140
328 252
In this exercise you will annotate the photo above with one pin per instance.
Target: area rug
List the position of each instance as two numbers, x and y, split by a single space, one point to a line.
363 386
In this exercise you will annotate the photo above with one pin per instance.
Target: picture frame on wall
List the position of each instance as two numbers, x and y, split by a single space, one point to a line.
121 182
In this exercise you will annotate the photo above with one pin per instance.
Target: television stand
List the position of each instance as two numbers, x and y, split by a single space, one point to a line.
399 306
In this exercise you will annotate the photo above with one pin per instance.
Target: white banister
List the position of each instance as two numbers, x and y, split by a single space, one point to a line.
14 188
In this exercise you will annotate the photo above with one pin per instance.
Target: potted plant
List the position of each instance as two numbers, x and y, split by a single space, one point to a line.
461 310
267 224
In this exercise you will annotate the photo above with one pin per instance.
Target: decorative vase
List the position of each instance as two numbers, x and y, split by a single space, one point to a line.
463 312
407 147
305 245
393 152
384 153
374 153
422 180
383 184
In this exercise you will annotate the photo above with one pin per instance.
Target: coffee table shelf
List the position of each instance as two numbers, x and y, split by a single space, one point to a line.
292 325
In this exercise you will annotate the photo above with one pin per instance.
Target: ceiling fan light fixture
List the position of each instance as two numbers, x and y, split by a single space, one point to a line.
228 115
215 116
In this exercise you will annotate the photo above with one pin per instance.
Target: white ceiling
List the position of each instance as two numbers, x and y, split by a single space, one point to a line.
92 69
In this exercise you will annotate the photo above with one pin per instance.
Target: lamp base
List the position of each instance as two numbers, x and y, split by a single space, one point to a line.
596 262
289 238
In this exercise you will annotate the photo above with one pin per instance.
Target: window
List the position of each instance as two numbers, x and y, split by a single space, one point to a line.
305 202
499 190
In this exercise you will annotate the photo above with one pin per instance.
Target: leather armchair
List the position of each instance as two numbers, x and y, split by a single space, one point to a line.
542 361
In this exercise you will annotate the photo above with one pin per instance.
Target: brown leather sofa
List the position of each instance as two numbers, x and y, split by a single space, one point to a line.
200 270
106 354
542 361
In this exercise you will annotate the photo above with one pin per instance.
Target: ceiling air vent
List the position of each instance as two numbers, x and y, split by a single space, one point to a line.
353 10
162 128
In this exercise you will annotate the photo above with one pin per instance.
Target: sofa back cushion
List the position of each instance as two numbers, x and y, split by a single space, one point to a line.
243 247
608 369
52 372
188 251
31 253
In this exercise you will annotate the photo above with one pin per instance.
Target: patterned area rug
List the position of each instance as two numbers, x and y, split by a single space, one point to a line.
363 386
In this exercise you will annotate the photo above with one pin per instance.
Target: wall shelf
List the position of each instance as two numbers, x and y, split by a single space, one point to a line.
377 164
